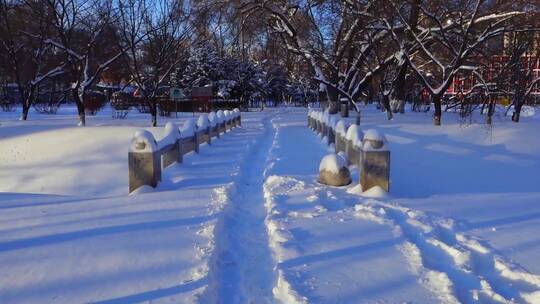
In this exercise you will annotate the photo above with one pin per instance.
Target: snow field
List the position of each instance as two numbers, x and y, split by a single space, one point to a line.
151 247
246 221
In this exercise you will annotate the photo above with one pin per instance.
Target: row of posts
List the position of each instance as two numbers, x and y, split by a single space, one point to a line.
369 150
147 157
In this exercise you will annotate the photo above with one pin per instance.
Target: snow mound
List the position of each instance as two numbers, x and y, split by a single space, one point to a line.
332 121
202 122
188 128
375 192
341 127
526 111
143 141
355 135
332 163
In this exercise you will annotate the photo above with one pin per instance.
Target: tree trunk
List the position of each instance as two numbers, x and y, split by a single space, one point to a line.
334 105
491 108
27 103
438 110
517 112
386 105
399 89
25 109
79 101
153 111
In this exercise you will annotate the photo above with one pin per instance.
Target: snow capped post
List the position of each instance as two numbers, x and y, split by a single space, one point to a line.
144 161
375 163
353 144
169 145
189 137
325 123
203 130
330 129
228 120
214 124
341 132
317 118
221 121
344 107
238 117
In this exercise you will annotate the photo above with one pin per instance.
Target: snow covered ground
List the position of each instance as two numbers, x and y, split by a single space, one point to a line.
245 221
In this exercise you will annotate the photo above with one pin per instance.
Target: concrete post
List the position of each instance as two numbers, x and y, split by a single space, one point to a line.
144 161
174 154
353 143
340 130
330 134
345 110
375 164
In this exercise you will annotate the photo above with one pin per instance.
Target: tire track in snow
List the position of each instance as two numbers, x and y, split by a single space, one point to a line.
242 270
458 267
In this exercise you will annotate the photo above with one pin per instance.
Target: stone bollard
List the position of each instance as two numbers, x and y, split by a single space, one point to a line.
375 163
341 131
144 161
221 121
228 120
331 131
203 124
189 137
333 171
212 118
170 145
345 109
353 145
319 124
238 117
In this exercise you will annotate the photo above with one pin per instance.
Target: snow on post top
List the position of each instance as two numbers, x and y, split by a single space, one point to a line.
188 128
171 135
212 118
355 135
227 114
332 120
143 142
332 163
202 122
374 140
236 112
341 127
220 116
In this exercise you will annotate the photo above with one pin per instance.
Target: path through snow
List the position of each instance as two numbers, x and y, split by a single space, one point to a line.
242 267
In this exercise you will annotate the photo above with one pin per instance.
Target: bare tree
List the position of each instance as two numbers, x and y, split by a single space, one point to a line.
23 41
80 28
153 33
448 37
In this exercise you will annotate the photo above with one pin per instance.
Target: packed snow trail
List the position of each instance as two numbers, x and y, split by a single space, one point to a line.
242 266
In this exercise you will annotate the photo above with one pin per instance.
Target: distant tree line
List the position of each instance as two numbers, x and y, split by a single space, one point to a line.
336 51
